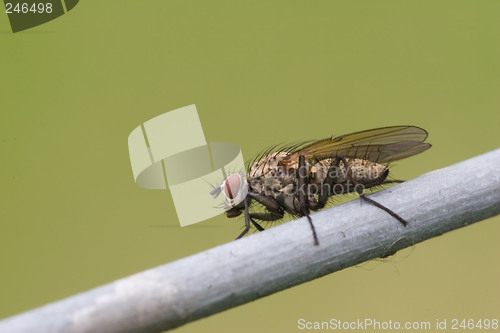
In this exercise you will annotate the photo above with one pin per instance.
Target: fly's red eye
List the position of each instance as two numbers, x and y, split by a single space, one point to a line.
232 186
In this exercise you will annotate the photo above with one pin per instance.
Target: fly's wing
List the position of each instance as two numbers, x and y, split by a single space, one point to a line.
380 145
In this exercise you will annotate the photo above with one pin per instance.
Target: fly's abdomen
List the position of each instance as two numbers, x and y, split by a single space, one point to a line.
362 172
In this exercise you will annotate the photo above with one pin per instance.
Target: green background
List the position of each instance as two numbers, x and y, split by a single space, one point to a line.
260 73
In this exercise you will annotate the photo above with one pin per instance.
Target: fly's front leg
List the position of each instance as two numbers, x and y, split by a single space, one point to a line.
360 189
247 218
274 210
256 225
303 177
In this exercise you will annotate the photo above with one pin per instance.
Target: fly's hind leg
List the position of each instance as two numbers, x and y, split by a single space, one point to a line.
391 181
390 212
361 191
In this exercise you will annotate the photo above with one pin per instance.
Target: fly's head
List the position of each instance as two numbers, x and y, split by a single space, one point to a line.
235 190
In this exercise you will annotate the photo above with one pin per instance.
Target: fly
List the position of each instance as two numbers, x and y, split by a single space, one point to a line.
297 179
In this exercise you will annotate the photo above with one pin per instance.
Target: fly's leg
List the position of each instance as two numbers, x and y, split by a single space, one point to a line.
303 177
271 216
274 210
247 218
390 212
264 217
361 191
331 178
390 181
256 225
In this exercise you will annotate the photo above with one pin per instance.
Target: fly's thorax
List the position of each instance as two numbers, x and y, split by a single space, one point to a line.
268 177
267 164
273 184
280 187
